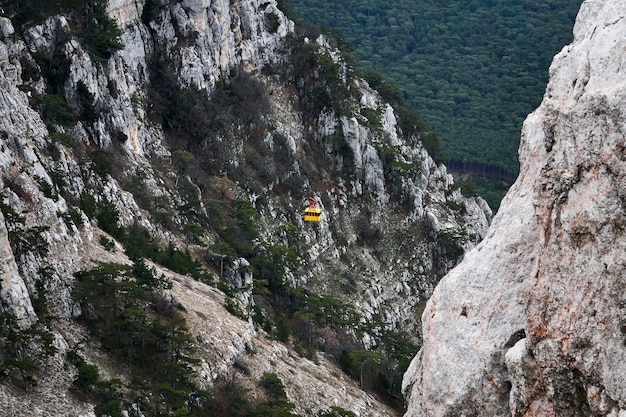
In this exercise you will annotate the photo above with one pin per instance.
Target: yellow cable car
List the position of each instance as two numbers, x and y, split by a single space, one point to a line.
312 214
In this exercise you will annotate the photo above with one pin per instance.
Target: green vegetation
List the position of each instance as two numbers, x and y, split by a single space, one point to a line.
138 243
310 321
23 239
88 20
473 69
277 404
55 110
23 351
126 310
100 33
337 412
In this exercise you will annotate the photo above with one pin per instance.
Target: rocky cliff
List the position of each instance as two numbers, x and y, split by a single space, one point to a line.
531 323
189 135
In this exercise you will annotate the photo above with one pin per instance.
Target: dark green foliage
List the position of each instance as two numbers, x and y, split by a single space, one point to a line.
58 177
21 238
61 138
125 309
287 8
106 393
29 240
88 20
138 243
277 404
310 322
47 189
73 215
337 412
236 222
271 22
283 330
100 33
272 265
410 121
88 204
473 69
273 386
371 118
29 12
40 301
55 110
234 308
87 376
101 162
107 243
195 123
451 243
434 145
490 188
108 217
23 350
340 145
323 84
362 365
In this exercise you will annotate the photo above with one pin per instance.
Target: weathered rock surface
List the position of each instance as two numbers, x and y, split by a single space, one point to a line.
531 323
390 212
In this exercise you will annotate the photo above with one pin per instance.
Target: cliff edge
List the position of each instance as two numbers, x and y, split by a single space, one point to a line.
531 323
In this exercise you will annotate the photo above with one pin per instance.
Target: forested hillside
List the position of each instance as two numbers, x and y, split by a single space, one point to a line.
473 69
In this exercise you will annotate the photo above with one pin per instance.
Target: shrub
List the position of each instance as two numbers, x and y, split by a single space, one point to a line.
232 306
100 33
108 217
339 145
287 8
55 110
272 23
107 243
87 204
47 189
101 162
23 350
373 118
451 242
61 138
336 412
273 387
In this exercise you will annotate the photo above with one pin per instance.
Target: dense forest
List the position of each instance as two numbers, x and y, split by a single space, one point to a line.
473 69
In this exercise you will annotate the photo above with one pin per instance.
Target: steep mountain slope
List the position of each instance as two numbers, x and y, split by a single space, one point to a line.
186 136
532 321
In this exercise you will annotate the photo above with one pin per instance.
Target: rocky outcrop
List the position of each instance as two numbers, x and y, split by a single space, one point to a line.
136 127
531 323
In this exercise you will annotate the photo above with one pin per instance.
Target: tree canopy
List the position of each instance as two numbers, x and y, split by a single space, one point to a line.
473 69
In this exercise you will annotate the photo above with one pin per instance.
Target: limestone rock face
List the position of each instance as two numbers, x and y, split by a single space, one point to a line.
531 323
83 131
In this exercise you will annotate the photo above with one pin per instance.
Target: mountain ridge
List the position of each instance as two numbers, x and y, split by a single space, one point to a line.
172 161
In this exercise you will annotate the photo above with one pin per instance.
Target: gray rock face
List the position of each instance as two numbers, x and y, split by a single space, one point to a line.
387 205
531 323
